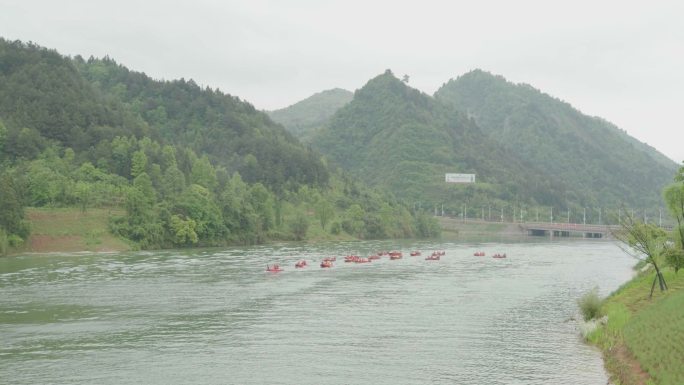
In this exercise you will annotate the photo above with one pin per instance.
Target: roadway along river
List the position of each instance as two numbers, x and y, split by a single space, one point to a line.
216 317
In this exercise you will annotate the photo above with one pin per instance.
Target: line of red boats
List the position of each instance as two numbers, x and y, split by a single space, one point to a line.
328 261
393 255
482 254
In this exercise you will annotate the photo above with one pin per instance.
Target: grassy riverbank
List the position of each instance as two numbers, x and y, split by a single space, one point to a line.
70 230
642 340
453 228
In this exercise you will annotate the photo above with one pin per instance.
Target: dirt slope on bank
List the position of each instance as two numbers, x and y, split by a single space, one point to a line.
69 230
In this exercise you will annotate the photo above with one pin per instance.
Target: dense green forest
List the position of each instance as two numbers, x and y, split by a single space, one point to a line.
603 164
402 140
305 117
190 165
529 150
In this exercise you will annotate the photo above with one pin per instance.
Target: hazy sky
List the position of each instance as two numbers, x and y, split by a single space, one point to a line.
621 60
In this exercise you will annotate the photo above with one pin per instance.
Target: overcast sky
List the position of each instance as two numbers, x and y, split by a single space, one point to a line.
620 60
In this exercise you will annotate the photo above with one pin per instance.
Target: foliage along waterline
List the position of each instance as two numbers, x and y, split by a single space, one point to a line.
191 166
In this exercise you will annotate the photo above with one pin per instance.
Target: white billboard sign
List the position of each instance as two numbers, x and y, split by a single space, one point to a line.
459 178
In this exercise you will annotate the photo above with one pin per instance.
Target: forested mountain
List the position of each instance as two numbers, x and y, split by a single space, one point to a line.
190 166
44 98
79 104
195 166
232 132
303 118
396 137
599 160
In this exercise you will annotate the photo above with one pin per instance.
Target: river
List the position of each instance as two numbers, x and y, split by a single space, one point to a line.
216 317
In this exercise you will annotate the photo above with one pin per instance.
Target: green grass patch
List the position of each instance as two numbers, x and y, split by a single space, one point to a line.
70 229
635 293
656 338
644 330
618 315
67 221
606 336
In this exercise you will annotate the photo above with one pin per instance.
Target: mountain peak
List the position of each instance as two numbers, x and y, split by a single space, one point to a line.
386 78
388 89
306 116
552 133
482 74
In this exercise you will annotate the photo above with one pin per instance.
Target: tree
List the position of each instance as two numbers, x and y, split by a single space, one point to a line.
83 194
197 203
3 139
203 173
141 224
138 163
120 158
674 199
427 226
183 231
373 226
299 226
353 223
89 173
26 143
68 158
648 241
324 212
143 183
173 182
262 201
278 212
251 169
3 134
233 203
46 186
674 257
168 157
11 209
679 177
4 243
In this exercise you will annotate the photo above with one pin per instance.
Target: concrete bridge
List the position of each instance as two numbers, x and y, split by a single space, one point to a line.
567 229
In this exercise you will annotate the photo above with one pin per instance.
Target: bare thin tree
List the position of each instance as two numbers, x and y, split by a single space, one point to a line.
645 242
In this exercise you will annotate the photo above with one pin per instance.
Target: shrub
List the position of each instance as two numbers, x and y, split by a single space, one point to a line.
590 305
15 240
427 226
335 228
674 258
299 226
3 241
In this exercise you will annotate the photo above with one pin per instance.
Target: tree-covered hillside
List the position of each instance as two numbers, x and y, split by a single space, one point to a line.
230 131
189 166
303 118
396 137
44 98
599 161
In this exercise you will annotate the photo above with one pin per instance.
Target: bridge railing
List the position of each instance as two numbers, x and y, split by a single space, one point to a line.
568 226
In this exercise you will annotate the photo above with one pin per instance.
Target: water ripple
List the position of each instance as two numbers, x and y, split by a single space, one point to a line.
216 317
